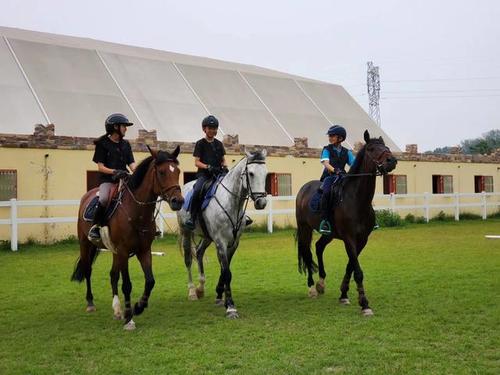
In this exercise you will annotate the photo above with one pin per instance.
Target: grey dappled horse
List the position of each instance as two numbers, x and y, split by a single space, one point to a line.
224 221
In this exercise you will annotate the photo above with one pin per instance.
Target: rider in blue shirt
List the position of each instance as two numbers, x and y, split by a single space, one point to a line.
334 157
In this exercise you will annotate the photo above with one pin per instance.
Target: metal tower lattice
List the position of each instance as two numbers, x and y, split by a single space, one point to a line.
373 85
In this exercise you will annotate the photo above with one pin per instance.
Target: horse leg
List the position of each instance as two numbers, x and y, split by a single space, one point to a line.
188 260
344 286
114 276
352 252
83 270
200 252
145 259
225 256
127 290
219 290
320 248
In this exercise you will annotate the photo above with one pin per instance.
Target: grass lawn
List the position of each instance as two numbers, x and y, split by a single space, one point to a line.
434 289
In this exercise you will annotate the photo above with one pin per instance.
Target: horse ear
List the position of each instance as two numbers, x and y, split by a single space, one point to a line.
154 153
366 136
248 154
176 152
264 152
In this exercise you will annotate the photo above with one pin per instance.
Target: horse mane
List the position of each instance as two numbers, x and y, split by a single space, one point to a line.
358 162
138 176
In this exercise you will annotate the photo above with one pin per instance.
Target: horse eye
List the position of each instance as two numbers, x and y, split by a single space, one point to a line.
162 173
251 174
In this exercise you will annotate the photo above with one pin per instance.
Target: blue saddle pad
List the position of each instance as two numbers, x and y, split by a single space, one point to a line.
208 196
315 202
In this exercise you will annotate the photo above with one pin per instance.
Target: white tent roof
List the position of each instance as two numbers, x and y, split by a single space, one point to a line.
75 83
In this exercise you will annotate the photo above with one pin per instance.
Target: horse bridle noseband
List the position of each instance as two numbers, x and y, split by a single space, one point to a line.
379 166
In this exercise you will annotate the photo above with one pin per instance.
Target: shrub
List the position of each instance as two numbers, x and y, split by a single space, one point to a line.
470 216
386 218
441 216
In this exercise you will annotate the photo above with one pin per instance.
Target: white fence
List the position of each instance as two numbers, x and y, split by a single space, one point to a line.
483 201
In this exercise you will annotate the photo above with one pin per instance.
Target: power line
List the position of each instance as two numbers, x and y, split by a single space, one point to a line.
373 86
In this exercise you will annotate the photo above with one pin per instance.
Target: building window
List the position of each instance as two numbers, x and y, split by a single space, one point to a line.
92 179
395 184
442 184
8 184
483 183
279 184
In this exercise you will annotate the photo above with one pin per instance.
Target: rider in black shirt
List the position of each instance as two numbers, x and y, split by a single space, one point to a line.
209 159
112 154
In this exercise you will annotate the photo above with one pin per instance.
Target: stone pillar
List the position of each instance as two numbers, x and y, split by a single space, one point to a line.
412 149
301 142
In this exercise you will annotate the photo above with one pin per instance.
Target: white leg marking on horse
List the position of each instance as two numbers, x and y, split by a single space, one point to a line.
232 313
313 293
344 301
219 302
90 308
320 286
192 296
130 326
367 312
117 309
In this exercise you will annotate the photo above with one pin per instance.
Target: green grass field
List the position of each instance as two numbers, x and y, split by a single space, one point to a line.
435 291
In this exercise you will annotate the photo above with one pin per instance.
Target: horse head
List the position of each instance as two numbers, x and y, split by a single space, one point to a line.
255 177
166 177
379 154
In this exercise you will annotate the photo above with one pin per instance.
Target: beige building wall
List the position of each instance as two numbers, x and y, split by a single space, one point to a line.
59 174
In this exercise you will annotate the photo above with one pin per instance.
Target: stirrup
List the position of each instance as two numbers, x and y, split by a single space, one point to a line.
94 233
322 229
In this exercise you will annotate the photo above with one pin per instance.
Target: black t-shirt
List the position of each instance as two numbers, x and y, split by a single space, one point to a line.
210 153
113 155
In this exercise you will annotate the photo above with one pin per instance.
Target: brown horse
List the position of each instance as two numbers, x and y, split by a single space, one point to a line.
131 229
353 219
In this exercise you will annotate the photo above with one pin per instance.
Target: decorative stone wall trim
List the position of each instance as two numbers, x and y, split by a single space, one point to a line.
44 138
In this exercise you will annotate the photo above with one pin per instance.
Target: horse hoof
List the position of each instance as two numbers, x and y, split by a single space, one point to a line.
344 301
367 312
320 287
192 295
130 326
90 309
219 302
200 293
313 293
232 313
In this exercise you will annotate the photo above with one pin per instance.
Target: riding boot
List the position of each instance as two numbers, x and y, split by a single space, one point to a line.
325 226
94 234
191 221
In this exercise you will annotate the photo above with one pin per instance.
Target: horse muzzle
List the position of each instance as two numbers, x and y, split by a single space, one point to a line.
176 203
388 166
260 203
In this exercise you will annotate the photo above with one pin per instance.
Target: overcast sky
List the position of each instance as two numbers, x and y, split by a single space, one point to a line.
439 60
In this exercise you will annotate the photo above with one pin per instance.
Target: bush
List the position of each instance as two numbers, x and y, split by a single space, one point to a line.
496 215
386 218
410 218
470 216
441 216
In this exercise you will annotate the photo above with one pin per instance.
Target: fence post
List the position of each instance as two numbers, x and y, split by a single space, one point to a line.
392 200
270 214
160 219
457 207
13 227
483 201
426 206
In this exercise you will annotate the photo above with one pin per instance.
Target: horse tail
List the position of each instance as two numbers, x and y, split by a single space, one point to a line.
83 266
303 237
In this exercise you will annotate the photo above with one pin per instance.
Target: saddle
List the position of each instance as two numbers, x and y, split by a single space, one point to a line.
114 198
207 192
335 197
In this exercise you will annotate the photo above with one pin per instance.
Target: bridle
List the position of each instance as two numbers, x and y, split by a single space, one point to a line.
244 197
380 170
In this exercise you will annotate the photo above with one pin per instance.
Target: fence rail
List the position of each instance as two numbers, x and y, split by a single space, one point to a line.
484 201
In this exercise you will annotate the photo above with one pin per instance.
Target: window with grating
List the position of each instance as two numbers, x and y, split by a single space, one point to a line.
8 184
395 183
279 184
483 183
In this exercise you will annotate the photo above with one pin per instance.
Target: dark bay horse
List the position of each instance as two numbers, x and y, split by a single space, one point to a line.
353 219
131 229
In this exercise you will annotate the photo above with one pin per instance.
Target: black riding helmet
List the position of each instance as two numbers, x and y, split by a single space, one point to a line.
116 119
337 130
210 121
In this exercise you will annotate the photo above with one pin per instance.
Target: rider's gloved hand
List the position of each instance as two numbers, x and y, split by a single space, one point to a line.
119 173
224 169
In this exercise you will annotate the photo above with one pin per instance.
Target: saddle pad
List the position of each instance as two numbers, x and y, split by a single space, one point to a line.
210 192
315 202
